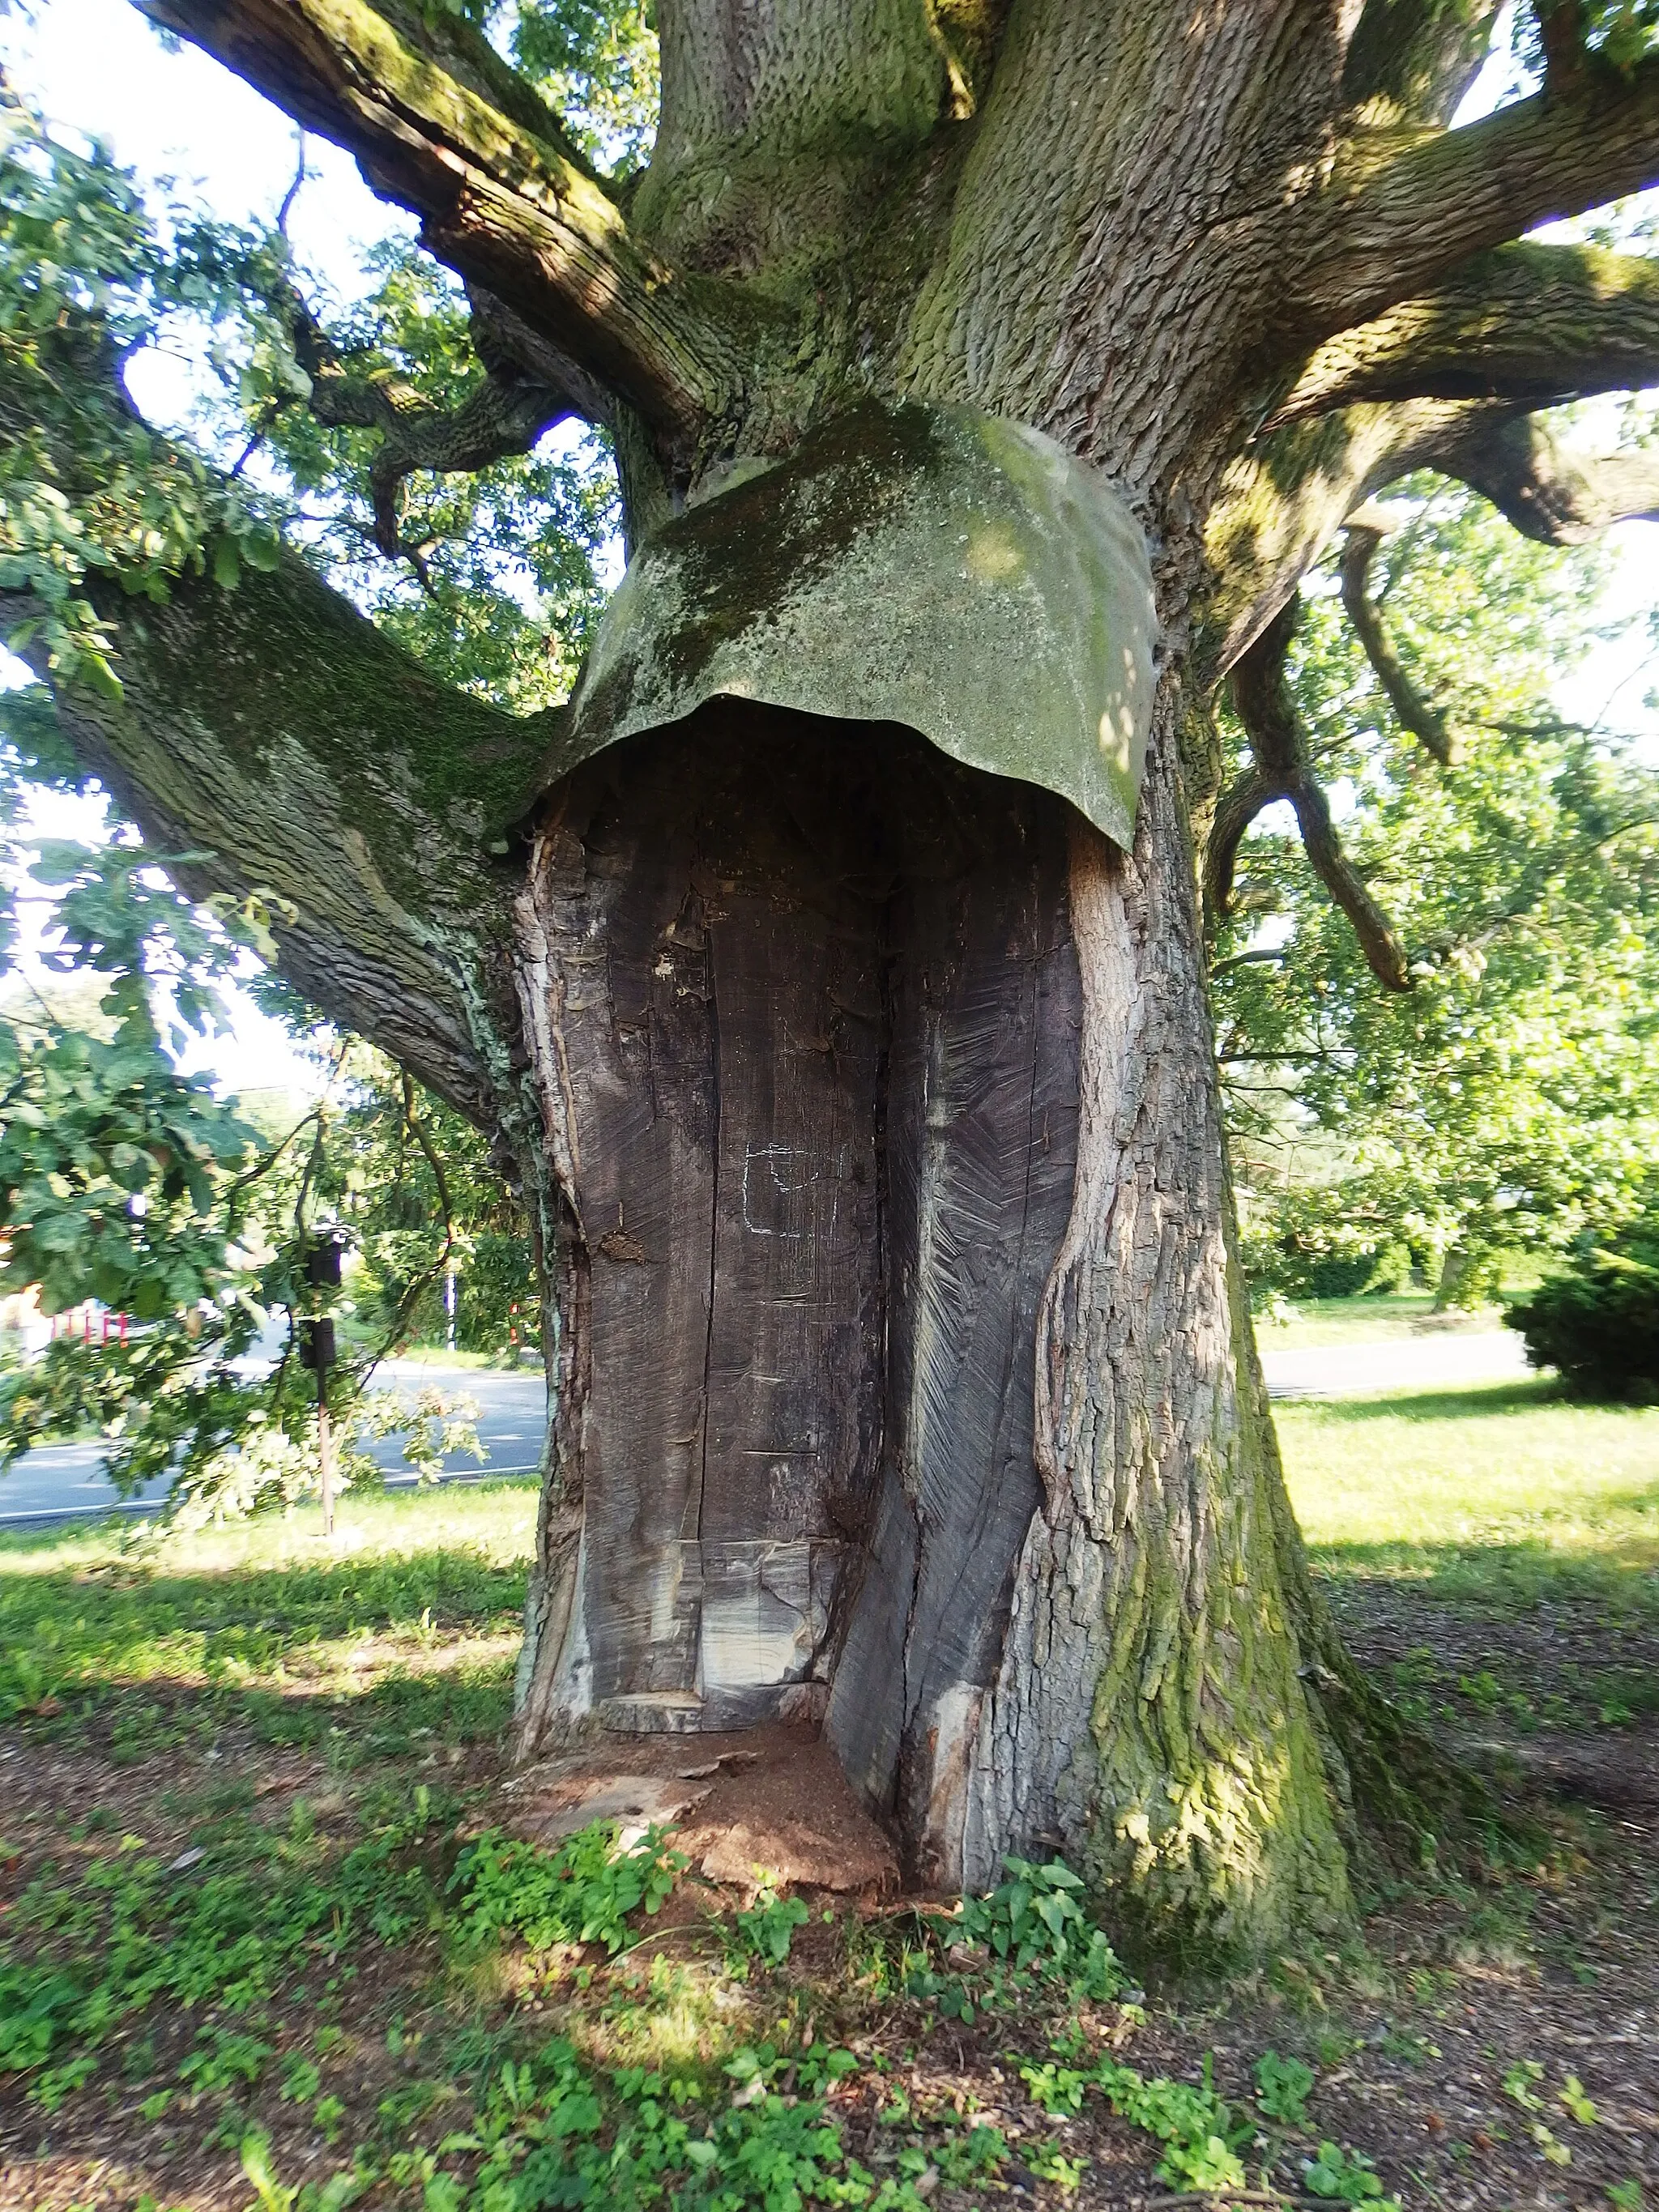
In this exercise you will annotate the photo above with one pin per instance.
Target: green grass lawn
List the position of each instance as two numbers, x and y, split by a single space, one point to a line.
405 1626
255 1949
1499 1494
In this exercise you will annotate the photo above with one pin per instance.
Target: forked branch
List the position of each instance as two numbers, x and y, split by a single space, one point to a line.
1280 769
1363 535
505 414
1548 492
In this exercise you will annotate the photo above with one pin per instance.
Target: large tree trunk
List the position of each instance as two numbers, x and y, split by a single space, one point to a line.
897 1368
901 1372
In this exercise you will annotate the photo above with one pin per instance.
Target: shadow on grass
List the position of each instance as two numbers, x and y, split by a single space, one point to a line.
1504 1577
140 1658
1475 1402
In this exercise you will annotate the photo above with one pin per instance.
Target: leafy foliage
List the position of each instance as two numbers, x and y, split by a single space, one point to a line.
767 1926
1512 1097
124 1182
500 588
1036 1921
595 63
1597 1318
1618 32
1281 2088
1346 2178
132 1933
86 491
552 2133
1193 2124
498 585
583 1893
109 1159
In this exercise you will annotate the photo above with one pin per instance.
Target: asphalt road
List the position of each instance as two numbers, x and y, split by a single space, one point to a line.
1426 1363
62 1481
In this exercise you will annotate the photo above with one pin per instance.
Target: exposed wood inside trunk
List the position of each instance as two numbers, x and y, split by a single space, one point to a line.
816 1002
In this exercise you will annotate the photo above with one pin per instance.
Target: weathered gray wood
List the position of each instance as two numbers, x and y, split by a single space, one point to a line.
631 947
981 1148
794 1348
820 1031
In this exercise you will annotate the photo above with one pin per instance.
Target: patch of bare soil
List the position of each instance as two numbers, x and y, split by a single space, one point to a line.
773 1798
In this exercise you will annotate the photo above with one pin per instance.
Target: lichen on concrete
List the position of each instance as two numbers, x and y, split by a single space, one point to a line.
930 566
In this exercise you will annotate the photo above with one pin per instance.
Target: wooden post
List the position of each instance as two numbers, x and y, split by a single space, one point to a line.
324 1453
317 1352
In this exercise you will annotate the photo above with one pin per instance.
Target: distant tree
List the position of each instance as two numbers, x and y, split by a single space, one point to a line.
414 1184
123 1181
1595 1319
1511 1095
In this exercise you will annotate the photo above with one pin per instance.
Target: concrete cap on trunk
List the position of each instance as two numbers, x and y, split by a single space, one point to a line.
952 571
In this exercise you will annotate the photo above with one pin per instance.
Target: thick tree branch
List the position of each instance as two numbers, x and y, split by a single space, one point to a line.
1283 500
509 348
276 734
1538 324
1389 227
274 730
1548 492
1416 714
1415 59
1261 695
1236 809
500 201
1564 34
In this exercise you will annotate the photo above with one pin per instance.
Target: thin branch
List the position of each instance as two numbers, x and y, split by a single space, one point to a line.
1261 695
413 1122
1416 714
1262 955
1236 809
504 415
1307 1056
1384 954
261 1168
293 191
419 1284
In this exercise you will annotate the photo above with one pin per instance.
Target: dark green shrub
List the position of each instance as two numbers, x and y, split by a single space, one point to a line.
1317 1260
1597 1320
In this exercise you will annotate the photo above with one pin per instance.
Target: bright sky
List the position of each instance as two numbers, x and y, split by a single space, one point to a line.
98 67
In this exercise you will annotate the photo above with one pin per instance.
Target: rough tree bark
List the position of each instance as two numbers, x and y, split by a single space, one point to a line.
902 1374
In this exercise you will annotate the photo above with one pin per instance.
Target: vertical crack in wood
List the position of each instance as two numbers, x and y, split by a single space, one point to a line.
713 1239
